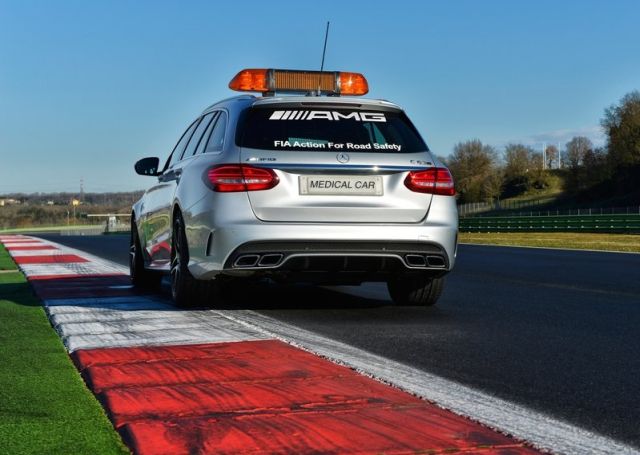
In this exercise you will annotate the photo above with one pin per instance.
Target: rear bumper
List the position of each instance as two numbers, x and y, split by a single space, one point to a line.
298 248
315 255
218 239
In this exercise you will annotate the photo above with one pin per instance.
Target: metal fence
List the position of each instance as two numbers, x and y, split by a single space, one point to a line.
474 208
570 212
618 223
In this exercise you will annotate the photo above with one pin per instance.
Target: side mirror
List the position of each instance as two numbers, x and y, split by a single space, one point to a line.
148 166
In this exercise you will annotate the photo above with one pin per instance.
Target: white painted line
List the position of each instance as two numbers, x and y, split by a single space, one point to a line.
17 244
541 430
130 321
68 269
225 332
179 322
107 315
87 323
23 253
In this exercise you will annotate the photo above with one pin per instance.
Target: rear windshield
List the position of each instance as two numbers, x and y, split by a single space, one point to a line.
348 130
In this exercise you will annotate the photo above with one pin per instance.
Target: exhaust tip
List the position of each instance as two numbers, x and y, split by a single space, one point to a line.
415 260
270 260
247 260
435 261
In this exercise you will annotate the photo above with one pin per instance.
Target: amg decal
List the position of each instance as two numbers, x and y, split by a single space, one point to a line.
328 115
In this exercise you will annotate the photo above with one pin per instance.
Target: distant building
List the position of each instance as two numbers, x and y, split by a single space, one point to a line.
4 202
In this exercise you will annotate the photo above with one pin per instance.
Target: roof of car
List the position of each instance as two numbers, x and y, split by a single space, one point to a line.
333 100
322 99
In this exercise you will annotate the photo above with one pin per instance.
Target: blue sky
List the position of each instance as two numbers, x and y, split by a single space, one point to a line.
88 87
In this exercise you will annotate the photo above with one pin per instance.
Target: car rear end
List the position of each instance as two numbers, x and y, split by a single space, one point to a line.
338 190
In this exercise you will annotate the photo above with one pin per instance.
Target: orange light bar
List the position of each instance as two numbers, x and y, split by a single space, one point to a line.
353 84
250 80
269 81
304 81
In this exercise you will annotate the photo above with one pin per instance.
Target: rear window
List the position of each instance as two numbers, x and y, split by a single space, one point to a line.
328 129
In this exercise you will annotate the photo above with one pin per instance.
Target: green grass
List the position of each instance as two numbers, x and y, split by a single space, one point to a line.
578 241
45 407
5 261
555 189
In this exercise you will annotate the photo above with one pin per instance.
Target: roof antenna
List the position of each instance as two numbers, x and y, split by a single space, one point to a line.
324 51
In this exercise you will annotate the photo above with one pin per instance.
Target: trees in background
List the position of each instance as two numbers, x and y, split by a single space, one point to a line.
481 177
575 151
474 167
574 161
595 168
621 123
612 171
524 170
517 162
516 169
552 155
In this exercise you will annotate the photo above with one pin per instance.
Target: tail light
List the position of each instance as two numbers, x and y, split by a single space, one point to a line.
436 180
228 178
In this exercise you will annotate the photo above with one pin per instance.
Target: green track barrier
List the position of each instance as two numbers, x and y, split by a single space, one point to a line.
628 223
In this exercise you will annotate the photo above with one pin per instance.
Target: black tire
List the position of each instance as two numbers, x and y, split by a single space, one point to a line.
415 290
187 291
140 277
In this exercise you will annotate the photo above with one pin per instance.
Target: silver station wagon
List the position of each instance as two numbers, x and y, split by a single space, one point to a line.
306 183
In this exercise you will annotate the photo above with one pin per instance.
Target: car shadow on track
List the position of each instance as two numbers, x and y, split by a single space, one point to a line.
299 297
268 296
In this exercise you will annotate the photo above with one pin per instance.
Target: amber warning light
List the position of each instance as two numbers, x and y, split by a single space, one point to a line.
270 81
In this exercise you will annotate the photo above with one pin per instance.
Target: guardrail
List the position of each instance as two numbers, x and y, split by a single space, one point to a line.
613 223
476 208
630 210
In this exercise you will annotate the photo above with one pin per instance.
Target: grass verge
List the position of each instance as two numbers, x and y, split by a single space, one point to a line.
45 407
578 241
5 260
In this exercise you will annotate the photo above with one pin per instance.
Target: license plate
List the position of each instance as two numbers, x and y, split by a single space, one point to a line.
339 185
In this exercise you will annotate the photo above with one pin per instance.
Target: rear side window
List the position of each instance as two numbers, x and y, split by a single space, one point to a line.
196 138
347 130
180 146
205 137
216 140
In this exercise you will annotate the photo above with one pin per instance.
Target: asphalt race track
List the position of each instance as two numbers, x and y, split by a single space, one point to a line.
556 331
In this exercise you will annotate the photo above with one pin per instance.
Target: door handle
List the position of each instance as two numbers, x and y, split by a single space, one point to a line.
170 175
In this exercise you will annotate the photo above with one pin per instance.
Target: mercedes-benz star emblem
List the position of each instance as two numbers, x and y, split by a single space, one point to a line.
342 158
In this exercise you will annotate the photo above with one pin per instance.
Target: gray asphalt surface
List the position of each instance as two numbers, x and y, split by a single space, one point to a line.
557 331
